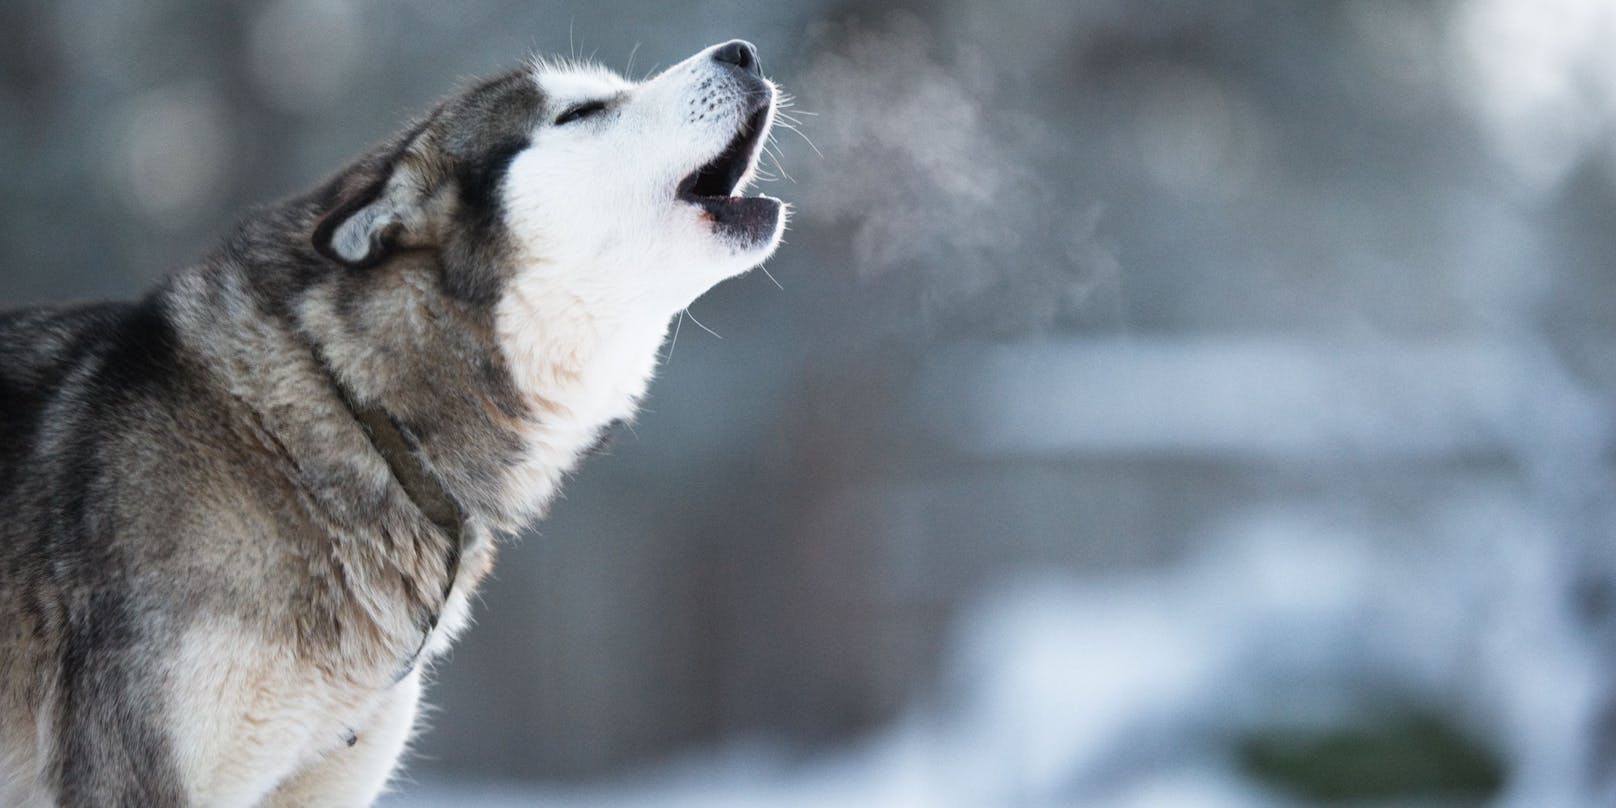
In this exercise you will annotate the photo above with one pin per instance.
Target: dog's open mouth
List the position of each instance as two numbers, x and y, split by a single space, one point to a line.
712 187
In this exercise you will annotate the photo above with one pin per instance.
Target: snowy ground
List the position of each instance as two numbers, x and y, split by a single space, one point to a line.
1127 691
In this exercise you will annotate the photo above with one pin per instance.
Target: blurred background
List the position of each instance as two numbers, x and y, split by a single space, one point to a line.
1161 403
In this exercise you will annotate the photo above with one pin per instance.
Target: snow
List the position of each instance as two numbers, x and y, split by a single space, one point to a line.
1267 398
1124 690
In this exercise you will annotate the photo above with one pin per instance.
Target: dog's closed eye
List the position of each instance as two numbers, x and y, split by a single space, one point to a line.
578 112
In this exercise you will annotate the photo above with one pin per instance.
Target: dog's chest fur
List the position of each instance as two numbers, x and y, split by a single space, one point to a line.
577 370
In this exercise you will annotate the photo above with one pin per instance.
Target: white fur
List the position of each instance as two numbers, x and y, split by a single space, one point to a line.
261 724
611 252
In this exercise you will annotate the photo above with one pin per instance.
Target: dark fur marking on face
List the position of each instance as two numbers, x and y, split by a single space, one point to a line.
505 110
479 179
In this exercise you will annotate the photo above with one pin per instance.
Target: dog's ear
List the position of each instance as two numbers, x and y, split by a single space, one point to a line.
372 218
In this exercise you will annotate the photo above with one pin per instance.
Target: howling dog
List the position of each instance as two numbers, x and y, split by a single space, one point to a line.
238 516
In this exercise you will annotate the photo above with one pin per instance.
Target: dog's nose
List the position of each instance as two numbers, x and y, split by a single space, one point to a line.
740 53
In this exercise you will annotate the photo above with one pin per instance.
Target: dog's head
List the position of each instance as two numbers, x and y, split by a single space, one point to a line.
573 179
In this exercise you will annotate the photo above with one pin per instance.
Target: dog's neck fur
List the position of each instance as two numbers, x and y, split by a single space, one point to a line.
501 401
501 404
579 366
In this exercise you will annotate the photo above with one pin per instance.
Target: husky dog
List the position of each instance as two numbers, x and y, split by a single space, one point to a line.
239 515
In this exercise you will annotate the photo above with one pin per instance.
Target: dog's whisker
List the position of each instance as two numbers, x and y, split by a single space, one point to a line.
774 155
674 343
631 54
790 118
790 102
702 326
805 138
770 276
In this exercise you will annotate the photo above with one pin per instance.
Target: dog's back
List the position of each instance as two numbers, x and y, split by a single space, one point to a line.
79 391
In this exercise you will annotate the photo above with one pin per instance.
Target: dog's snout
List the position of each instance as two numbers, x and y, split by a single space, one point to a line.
740 53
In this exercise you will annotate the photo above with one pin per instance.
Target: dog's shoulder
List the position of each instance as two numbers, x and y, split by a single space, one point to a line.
89 355
43 352
40 348
38 344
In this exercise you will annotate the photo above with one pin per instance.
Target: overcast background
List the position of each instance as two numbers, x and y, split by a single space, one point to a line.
1161 403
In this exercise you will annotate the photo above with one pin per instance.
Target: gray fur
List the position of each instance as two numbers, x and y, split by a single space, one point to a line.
189 457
